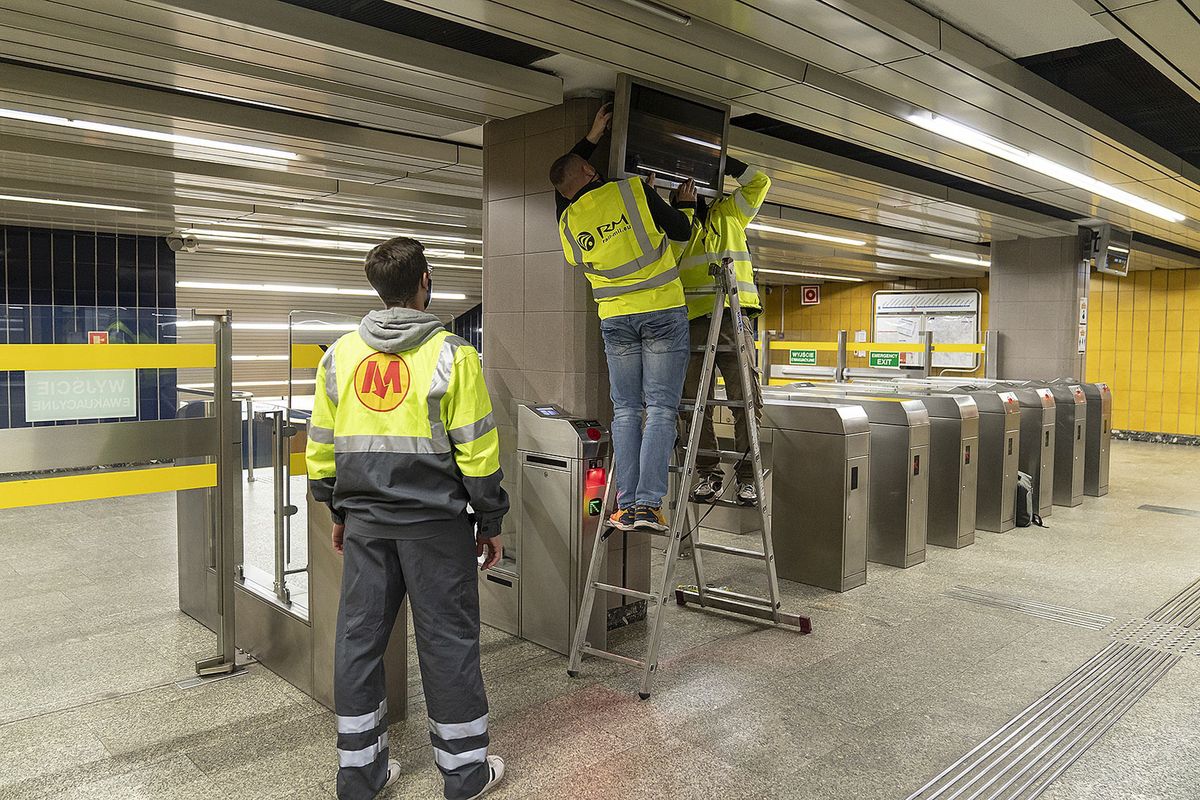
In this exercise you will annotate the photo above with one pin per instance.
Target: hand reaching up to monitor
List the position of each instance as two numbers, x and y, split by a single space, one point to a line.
686 193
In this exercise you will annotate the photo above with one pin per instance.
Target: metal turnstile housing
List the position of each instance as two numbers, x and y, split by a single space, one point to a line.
1099 436
899 475
820 494
1038 418
1070 445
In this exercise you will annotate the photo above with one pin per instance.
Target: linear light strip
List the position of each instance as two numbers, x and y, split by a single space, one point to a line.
974 262
282 288
981 141
821 237
141 133
249 251
73 203
812 275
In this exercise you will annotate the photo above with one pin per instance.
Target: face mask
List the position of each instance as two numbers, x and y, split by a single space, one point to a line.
429 292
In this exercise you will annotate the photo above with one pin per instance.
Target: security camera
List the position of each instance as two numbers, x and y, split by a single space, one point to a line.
182 243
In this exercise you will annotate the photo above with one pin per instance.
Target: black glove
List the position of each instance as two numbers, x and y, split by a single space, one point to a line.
734 167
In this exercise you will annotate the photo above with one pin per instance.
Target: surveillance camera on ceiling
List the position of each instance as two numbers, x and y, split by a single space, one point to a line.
181 242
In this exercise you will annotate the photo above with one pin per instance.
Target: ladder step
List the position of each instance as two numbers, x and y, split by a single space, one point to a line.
607 656
690 403
685 596
738 597
721 348
725 504
608 526
730 551
729 454
608 587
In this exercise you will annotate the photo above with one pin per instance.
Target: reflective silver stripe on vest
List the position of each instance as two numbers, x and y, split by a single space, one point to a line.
450 761
744 206
363 722
331 387
381 443
575 249
631 267
743 287
713 258
320 435
476 430
438 388
459 730
364 757
662 279
635 216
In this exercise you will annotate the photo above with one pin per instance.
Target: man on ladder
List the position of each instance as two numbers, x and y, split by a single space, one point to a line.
719 232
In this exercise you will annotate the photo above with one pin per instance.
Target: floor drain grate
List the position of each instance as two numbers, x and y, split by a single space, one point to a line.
1182 512
1029 752
1183 609
1034 608
1159 636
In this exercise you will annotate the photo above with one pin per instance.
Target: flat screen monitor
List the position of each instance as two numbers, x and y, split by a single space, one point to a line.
669 133
1110 249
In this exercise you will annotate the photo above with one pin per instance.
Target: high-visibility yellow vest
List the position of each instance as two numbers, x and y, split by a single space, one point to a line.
408 438
610 235
723 235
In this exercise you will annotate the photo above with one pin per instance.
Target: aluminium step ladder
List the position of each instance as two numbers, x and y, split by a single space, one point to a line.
766 608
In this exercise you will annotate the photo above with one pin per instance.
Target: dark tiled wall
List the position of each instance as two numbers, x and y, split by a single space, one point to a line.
469 325
57 285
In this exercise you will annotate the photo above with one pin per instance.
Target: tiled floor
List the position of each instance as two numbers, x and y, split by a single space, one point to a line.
897 681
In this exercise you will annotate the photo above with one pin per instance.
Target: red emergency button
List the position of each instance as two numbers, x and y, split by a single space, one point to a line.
593 434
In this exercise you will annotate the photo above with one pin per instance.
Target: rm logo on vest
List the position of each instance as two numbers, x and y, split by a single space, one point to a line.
381 381
586 240
610 229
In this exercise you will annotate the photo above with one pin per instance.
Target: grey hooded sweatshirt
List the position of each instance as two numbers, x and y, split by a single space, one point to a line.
407 495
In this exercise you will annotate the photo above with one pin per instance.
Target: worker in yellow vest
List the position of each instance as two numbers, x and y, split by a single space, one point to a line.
619 234
401 439
719 232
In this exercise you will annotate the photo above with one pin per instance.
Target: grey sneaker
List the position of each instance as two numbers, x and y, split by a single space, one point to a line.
707 490
496 770
393 773
747 494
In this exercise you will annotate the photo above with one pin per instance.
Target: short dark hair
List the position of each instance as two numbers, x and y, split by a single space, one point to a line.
394 269
563 167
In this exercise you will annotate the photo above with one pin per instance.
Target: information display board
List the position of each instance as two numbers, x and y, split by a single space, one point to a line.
952 315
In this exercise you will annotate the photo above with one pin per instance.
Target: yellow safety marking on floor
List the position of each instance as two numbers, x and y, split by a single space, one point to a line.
31 357
99 485
306 356
297 464
828 347
958 348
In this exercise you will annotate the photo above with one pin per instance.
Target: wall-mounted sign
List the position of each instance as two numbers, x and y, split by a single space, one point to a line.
1083 338
883 359
1083 303
802 358
810 294
56 395
97 337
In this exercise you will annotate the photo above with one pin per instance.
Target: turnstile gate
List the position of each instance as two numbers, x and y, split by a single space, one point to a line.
1038 418
1070 443
1099 435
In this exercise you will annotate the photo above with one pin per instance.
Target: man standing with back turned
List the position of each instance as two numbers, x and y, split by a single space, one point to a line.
618 233
401 440
719 232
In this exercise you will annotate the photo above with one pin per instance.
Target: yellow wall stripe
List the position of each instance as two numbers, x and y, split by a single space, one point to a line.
306 356
98 485
297 464
958 348
106 356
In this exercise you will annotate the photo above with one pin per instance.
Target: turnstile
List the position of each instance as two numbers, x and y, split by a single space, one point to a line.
1099 434
1070 443
536 589
953 458
819 498
1038 416
899 474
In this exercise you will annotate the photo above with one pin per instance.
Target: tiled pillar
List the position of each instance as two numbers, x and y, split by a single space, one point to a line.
1033 302
541 334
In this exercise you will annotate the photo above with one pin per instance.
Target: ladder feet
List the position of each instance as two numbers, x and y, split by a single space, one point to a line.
644 695
572 673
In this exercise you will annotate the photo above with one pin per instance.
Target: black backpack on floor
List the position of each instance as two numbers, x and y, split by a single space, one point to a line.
1026 511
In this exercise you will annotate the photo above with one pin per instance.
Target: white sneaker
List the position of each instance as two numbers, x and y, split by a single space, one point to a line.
747 495
496 768
707 489
393 773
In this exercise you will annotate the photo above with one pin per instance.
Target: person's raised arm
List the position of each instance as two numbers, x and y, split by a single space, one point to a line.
673 221
745 202
584 148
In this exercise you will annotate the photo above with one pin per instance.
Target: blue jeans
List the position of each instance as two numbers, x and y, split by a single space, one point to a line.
647 360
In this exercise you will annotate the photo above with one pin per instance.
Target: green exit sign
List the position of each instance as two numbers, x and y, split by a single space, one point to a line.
879 359
802 358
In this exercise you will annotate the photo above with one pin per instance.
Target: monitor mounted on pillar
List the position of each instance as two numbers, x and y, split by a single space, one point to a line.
672 134
1107 249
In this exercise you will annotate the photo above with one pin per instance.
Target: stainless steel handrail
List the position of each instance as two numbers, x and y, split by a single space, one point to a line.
247 400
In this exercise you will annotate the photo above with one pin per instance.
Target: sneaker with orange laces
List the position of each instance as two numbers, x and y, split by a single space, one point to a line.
622 519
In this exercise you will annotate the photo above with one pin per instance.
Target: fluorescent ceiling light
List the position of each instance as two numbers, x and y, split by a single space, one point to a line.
981 141
974 262
811 275
453 254
758 226
1118 249
281 288
250 251
472 267
368 231
140 133
73 203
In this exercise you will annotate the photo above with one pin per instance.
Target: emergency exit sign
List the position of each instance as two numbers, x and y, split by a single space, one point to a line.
802 358
882 359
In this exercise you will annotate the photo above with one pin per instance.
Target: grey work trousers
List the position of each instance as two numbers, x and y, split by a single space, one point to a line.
439 574
727 366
